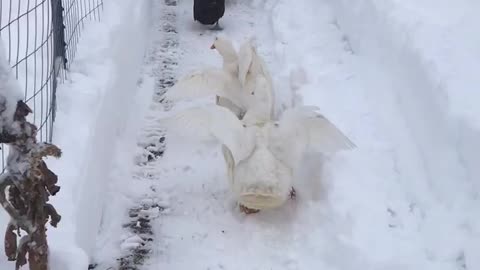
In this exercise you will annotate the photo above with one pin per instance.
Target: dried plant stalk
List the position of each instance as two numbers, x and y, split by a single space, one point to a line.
29 183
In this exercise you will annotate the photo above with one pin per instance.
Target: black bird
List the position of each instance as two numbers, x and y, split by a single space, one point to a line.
208 12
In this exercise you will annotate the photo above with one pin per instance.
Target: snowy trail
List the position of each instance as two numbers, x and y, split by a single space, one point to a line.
407 197
398 77
378 207
431 201
203 223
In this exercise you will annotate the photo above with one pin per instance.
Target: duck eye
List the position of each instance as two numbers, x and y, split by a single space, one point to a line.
253 93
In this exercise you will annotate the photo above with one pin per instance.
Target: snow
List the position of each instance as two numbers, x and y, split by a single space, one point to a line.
87 100
431 30
102 83
397 77
10 92
435 55
117 100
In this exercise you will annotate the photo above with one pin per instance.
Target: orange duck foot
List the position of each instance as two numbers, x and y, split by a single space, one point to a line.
247 210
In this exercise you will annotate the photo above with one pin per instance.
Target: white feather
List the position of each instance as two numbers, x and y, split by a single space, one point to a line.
261 158
212 123
244 61
303 129
254 76
260 103
223 82
200 83
261 181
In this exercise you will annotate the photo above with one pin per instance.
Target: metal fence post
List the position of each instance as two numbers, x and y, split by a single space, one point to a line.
59 52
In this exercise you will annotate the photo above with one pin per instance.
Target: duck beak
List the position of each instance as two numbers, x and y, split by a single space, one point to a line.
212 47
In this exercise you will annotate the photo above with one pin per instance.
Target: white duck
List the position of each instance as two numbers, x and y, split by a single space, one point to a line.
261 154
222 82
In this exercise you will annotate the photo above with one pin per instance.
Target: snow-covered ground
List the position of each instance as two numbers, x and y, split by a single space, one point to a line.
93 104
398 77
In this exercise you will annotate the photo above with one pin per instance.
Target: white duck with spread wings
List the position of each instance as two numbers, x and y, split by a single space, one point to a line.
235 85
261 155
222 82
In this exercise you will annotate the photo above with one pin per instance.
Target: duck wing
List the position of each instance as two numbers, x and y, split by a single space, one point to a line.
254 75
210 82
260 103
197 84
202 83
259 66
204 123
303 129
245 60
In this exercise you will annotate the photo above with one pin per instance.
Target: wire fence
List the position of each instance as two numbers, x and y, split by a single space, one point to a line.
41 38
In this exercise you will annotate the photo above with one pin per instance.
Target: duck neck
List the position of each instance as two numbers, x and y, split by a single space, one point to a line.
231 66
230 62
230 57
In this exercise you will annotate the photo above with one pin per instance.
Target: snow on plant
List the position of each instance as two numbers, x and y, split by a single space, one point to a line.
9 92
27 183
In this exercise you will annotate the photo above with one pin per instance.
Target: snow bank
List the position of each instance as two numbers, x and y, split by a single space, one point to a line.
429 70
433 49
444 38
92 107
126 51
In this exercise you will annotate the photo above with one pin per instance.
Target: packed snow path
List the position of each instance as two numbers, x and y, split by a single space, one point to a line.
126 238
386 205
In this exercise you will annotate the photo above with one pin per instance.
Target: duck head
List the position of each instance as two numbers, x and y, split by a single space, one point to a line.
227 51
